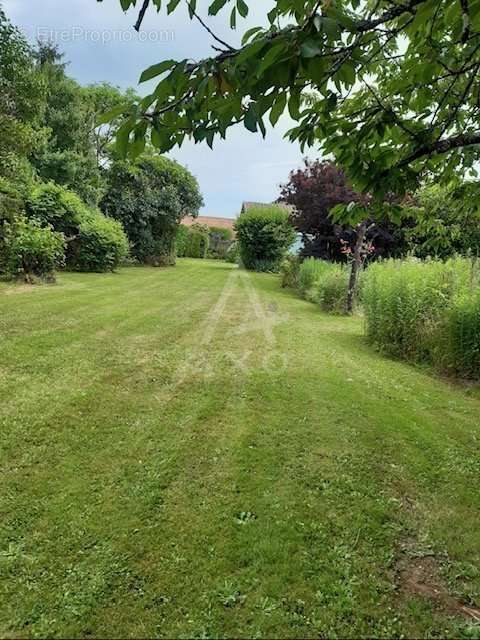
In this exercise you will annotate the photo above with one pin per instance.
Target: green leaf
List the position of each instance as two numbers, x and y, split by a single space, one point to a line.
250 120
233 19
110 115
125 4
249 33
242 7
157 138
347 74
269 58
216 6
172 5
163 90
262 127
137 147
272 15
310 48
192 5
123 136
294 104
250 50
330 27
156 70
278 108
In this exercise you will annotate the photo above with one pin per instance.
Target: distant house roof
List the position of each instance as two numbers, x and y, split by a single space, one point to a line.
210 221
255 205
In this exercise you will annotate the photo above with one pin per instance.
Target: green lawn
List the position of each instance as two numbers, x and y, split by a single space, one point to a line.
195 452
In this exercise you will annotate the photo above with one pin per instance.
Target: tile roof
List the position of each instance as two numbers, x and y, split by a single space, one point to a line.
211 221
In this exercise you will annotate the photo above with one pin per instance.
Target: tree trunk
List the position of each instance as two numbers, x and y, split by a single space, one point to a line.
356 265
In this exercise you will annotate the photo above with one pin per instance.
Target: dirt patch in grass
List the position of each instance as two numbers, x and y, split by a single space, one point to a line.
18 288
420 576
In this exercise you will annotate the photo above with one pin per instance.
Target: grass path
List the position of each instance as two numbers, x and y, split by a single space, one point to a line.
195 452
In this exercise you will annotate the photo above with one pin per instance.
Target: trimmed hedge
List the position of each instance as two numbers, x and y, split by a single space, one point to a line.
101 244
264 235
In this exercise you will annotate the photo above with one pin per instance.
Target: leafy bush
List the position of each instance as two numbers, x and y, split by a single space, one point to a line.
100 245
94 242
425 311
289 271
197 241
181 240
54 205
33 250
264 235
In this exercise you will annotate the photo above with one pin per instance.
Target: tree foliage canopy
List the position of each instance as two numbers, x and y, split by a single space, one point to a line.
150 197
395 83
314 191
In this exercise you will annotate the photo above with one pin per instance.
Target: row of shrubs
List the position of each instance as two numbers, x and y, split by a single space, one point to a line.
321 282
421 311
49 227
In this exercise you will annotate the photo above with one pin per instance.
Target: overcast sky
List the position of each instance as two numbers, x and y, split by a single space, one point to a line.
100 44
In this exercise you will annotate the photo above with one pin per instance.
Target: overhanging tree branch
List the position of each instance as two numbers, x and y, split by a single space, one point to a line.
141 15
441 146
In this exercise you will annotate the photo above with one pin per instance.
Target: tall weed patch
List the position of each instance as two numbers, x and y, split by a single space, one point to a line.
325 283
425 311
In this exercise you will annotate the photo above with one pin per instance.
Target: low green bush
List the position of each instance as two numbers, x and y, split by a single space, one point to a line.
425 311
100 244
53 205
33 251
289 271
264 235
94 242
